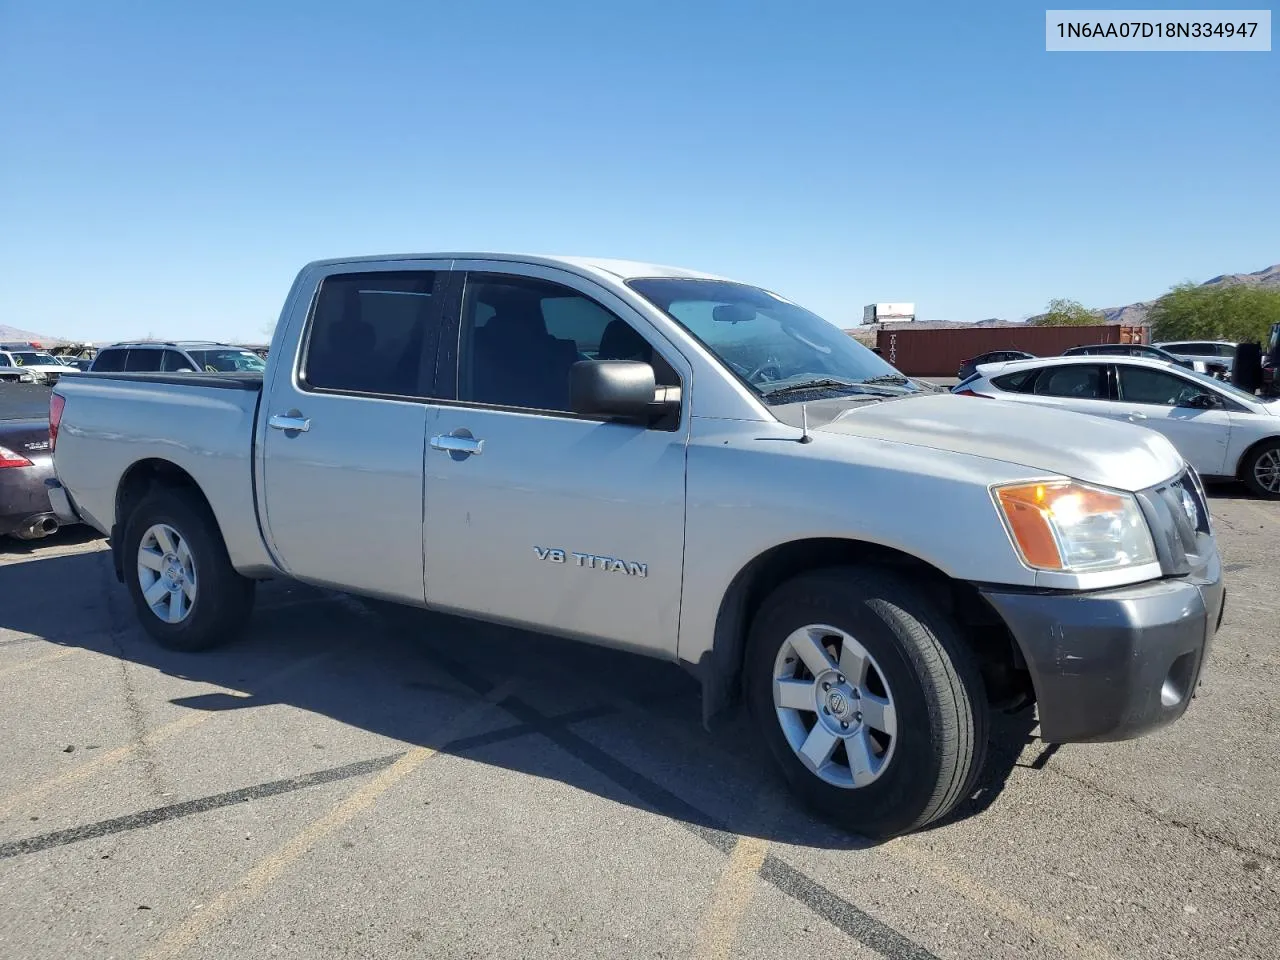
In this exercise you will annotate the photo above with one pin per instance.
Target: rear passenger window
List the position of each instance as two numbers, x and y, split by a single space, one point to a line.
173 361
1082 382
369 333
110 361
143 361
1019 382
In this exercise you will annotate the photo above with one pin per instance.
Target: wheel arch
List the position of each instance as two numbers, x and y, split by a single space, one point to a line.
1250 450
1003 666
140 479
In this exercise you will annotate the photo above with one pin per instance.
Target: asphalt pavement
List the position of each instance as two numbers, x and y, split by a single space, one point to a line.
342 784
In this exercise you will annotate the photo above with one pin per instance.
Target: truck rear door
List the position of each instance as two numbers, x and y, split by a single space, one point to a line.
537 516
345 426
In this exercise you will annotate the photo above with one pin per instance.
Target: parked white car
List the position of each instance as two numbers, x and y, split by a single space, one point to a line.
1219 429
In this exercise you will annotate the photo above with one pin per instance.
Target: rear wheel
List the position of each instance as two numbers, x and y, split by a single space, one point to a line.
186 593
871 705
1261 470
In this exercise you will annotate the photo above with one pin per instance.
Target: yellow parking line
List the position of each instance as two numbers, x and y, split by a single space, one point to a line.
730 899
88 767
38 661
1071 943
271 867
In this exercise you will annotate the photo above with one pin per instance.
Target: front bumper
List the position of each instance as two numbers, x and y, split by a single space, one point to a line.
1114 664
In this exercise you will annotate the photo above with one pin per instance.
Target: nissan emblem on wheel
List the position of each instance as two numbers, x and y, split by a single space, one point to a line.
696 469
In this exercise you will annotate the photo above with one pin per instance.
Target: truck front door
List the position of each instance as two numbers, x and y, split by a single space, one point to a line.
345 428
536 516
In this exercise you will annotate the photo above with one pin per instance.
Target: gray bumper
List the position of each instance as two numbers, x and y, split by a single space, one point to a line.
1114 664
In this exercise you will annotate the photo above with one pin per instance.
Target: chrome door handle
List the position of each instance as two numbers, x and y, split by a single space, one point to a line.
454 444
1137 416
280 422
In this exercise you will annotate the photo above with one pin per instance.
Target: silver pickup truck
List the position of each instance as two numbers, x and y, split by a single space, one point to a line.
678 465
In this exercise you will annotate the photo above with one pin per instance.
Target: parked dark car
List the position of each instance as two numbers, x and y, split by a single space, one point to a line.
1136 350
25 462
968 367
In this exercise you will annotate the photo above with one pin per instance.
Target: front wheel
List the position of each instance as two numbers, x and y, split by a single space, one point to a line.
186 593
871 705
1261 470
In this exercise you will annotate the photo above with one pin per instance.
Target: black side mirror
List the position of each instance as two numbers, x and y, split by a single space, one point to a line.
616 389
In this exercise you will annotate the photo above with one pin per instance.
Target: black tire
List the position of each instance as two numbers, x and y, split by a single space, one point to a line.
936 685
224 599
1250 462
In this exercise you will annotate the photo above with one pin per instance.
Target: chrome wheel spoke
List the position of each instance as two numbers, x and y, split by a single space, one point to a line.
151 559
184 555
189 588
156 592
808 647
854 663
878 713
177 605
818 747
795 695
164 539
862 762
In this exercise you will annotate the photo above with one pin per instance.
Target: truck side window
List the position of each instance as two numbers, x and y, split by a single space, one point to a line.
520 336
368 333
173 361
4 361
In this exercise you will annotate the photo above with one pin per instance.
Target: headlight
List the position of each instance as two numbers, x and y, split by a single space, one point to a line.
1074 527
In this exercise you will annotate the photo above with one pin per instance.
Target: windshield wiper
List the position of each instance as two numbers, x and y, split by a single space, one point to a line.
820 384
886 378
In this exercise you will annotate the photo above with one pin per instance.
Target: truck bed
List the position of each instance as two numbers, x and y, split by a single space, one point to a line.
117 426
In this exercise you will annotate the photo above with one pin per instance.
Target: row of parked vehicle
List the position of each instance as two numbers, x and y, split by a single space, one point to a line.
1221 429
24 363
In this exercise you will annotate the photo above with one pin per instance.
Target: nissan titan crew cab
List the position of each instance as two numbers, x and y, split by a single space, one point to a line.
678 465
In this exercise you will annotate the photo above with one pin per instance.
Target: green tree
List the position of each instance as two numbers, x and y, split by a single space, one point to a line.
1238 312
1068 313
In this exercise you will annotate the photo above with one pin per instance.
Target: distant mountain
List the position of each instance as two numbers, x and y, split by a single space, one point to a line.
24 336
1135 313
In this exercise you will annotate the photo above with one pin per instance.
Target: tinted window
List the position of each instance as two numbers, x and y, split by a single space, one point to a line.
1077 381
110 361
1019 382
520 337
1139 385
1191 349
4 361
369 333
227 360
172 361
143 360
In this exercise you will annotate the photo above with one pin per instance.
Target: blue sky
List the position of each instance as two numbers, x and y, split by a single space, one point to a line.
166 168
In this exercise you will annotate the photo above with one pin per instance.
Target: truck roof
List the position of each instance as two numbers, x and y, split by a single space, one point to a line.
623 269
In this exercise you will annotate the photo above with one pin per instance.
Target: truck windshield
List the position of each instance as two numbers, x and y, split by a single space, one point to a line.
774 346
228 361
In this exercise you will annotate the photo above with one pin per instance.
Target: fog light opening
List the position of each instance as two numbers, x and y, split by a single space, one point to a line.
1177 683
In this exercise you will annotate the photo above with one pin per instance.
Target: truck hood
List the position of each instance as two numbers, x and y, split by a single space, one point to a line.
1043 440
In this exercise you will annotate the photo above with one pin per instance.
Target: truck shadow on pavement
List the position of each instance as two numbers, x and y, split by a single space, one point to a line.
623 727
